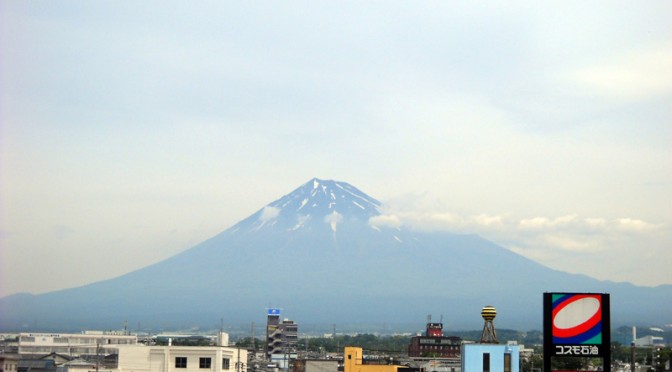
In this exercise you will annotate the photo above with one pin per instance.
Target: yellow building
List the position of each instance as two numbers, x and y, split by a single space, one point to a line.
353 362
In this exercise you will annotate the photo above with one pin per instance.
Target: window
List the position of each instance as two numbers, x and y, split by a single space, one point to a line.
507 362
204 362
180 362
486 362
225 363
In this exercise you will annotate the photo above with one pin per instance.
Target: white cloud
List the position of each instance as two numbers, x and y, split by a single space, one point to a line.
534 223
543 222
595 222
333 219
568 242
635 74
495 222
597 246
634 225
385 221
269 213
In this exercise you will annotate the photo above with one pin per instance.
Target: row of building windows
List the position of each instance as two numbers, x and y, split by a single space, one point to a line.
83 340
65 350
438 347
486 362
205 363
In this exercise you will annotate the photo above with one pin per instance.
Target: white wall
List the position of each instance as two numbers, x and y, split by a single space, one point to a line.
140 358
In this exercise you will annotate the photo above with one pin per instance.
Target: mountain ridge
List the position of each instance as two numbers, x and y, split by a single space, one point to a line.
314 251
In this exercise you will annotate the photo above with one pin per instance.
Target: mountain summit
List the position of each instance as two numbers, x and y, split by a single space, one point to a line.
315 205
314 253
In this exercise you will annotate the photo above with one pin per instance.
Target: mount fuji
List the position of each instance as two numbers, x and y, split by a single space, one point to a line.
315 253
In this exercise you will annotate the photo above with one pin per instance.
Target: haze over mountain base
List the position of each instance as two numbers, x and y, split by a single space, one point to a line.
315 253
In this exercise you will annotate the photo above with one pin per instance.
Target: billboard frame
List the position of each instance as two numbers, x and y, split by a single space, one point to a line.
591 338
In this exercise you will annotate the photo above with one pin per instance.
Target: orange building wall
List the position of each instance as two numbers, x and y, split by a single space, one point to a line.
352 362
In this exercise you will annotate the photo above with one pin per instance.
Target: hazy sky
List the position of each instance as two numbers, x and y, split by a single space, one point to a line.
130 131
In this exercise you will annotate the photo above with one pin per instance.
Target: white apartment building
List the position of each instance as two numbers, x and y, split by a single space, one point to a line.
9 362
140 358
74 344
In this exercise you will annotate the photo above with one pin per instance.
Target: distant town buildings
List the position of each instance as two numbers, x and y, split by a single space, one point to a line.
119 352
86 343
649 341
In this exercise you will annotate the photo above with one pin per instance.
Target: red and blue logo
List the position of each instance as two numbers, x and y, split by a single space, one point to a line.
577 319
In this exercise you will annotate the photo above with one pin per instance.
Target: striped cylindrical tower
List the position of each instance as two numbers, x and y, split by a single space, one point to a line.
489 336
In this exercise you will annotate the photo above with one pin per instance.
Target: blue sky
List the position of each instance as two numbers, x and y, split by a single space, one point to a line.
130 131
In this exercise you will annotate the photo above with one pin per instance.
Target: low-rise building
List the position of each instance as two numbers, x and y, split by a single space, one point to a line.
490 357
353 361
77 344
36 365
140 358
433 344
316 365
9 362
649 341
79 365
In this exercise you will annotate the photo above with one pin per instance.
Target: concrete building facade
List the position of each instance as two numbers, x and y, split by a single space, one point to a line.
77 344
281 338
353 361
140 358
433 344
490 358
9 362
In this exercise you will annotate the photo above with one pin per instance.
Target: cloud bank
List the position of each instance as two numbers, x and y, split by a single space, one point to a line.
604 248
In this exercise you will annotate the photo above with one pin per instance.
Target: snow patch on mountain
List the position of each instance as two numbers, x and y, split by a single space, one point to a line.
307 207
300 221
333 220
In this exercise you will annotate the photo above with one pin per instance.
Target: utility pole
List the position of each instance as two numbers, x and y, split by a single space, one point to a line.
98 355
632 350
238 361
254 349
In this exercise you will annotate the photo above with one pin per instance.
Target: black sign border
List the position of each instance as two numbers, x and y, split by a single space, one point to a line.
604 347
